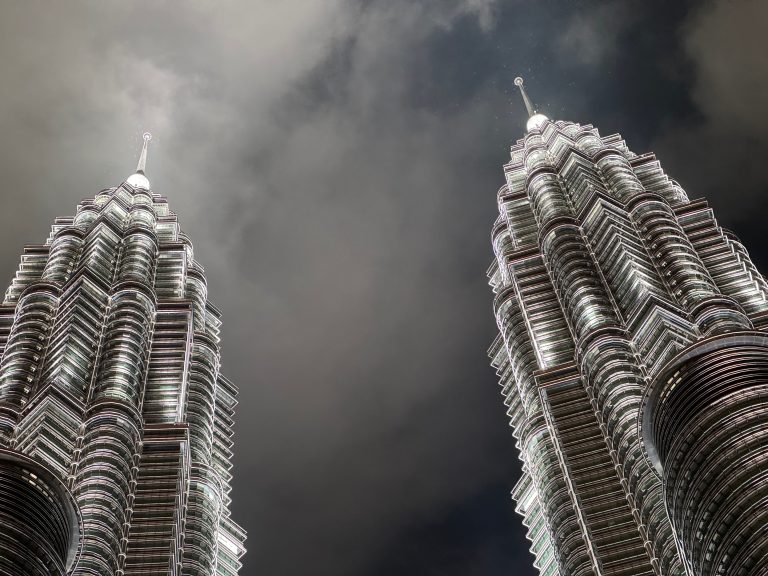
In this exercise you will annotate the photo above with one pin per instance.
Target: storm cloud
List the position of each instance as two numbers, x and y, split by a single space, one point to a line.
335 164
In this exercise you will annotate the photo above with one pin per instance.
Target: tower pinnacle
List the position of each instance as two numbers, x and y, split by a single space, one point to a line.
138 179
143 156
535 120
528 106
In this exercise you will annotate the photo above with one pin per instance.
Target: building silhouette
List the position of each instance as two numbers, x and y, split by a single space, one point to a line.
633 358
115 422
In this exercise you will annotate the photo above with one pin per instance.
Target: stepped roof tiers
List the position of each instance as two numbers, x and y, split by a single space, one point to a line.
115 421
633 358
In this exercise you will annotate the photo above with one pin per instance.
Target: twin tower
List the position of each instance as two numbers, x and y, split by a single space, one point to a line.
633 357
115 421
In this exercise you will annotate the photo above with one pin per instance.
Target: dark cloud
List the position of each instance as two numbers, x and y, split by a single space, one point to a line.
335 164
593 38
720 155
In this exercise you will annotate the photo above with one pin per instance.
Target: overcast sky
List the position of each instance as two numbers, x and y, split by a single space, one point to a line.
336 165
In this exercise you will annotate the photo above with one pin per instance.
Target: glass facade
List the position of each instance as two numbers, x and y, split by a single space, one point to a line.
115 421
632 360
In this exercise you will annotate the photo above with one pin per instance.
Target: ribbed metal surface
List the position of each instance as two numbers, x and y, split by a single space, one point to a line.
40 527
110 379
605 271
707 421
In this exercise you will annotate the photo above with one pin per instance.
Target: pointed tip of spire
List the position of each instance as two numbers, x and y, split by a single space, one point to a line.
535 120
138 179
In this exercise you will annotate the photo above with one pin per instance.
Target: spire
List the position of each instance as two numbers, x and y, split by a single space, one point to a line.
528 105
535 120
138 179
143 157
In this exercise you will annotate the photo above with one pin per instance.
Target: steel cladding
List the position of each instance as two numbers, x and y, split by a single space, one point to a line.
115 421
620 301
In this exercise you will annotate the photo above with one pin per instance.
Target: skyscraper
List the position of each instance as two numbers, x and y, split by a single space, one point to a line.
633 357
115 421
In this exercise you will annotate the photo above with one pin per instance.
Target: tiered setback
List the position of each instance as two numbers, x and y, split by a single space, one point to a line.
109 381
605 273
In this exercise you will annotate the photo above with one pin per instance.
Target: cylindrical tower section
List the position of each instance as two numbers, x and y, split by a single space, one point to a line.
705 428
63 255
86 215
23 352
106 472
125 349
201 396
522 358
203 515
138 260
39 520
197 291
104 483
